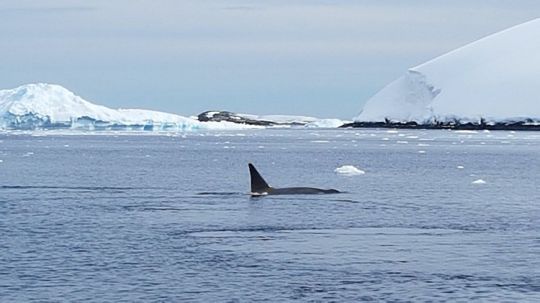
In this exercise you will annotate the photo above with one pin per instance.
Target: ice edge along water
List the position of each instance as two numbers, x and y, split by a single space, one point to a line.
492 80
50 106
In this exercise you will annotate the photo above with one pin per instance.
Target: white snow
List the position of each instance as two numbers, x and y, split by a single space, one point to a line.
496 78
281 118
307 121
349 170
35 105
326 123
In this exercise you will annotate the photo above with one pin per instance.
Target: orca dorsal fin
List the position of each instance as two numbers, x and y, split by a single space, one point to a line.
258 185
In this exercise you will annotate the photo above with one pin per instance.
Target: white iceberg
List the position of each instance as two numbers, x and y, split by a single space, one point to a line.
479 181
43 105
349 170
493 80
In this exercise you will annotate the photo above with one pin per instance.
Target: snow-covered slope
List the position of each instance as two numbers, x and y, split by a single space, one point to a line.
496 79
299 120
51 106
281 119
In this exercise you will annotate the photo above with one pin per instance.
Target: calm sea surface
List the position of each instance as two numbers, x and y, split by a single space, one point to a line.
128 218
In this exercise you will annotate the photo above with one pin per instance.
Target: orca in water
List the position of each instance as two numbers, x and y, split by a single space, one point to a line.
259 187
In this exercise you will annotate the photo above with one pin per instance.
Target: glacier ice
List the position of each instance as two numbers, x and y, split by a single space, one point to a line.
44 106
49 106
495 79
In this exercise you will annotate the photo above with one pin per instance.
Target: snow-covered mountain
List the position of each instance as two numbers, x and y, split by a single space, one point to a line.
42 105
493 80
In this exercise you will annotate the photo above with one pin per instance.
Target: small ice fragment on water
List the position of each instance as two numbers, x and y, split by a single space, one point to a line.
460 167
260 146
320 141
402 142
349 170
479 181
67 145
421 151
1 161
385 139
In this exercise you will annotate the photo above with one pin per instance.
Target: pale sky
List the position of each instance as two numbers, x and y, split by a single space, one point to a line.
319 58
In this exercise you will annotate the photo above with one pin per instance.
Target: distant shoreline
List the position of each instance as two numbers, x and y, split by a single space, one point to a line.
517 126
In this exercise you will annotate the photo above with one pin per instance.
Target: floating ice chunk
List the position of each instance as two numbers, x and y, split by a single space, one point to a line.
460 167
349 170
479 181
421 151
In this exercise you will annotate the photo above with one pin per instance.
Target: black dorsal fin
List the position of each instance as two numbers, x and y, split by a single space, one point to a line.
258 184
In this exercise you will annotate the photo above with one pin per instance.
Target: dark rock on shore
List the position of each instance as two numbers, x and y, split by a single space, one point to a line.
521 126
219 116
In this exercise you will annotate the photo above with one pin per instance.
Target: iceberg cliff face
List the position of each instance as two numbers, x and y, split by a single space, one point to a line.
52 106
495 79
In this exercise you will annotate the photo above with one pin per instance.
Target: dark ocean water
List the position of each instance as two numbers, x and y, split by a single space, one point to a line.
126 218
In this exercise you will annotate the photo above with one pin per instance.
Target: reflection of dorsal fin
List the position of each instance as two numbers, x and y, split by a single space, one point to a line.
258 184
